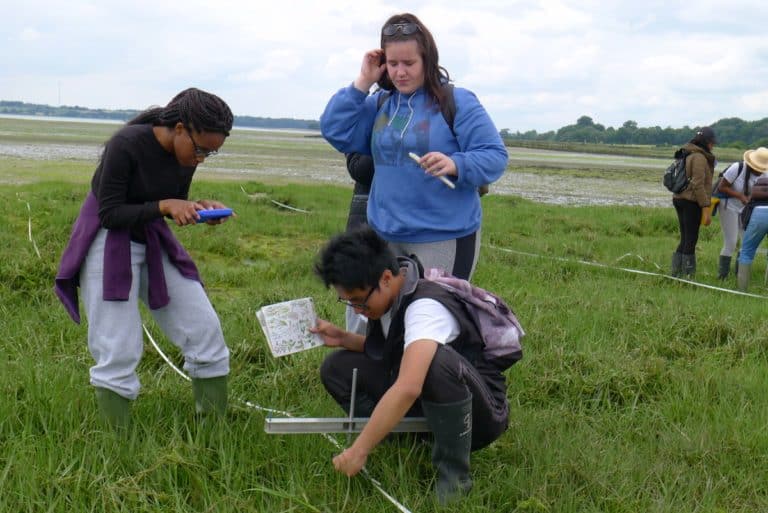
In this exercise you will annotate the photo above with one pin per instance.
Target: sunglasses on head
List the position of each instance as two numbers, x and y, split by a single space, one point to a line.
405 29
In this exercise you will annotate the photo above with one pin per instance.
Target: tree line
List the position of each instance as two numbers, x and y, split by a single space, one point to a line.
34 109
731 132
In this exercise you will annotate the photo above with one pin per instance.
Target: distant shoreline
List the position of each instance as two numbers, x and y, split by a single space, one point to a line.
303 131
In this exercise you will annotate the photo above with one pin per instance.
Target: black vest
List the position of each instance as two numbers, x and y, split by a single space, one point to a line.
390 349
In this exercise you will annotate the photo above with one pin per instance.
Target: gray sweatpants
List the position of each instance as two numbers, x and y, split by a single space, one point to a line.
456 256
115 337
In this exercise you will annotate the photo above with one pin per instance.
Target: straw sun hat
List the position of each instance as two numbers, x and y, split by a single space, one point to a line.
757 159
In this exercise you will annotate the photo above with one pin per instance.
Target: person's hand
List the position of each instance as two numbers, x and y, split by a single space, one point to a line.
350 462
744 199
370 70
331 334
706 219
210 204
438 164
183 212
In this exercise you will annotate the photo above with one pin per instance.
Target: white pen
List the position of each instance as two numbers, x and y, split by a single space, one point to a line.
442 178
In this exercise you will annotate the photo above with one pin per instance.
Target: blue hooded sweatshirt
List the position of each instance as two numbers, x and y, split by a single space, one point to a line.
405 204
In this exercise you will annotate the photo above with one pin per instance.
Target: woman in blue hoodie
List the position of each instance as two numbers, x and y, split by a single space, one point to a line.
429 205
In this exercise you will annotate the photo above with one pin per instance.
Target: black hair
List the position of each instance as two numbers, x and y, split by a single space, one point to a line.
355 260
193 108
703 138
434 74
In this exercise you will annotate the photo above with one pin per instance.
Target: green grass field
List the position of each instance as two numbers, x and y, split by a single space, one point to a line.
636 393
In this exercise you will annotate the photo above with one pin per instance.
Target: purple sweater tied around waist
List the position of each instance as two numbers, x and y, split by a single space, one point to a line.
117 260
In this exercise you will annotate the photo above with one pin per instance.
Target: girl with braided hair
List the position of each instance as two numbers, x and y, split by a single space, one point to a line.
122 250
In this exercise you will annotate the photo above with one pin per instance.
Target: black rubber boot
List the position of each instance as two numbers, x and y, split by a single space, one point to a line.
689 266
451 425
677 264
724 267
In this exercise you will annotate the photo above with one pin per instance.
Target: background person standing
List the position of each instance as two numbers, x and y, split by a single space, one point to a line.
736 185
699 167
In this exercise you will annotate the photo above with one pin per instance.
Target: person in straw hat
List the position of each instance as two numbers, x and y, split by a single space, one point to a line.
757 225
736 186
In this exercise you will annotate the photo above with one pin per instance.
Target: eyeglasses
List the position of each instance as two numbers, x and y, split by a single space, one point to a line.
359 306
405 29
200 152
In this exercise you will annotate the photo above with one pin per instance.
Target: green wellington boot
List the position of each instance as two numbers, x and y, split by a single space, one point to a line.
451 425
114 408
210 395
742 279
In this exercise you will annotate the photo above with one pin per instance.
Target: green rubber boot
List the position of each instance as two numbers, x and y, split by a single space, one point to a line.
689 266
210 395
742 279
451 425
114 408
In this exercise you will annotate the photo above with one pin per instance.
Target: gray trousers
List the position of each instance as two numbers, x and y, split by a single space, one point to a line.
731 228
115 336
456 256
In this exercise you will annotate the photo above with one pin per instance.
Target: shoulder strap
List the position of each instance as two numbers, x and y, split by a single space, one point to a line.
448 107
746 178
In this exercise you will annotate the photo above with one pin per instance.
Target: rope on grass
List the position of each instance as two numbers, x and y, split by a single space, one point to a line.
283 205
29 230
376 484
629 270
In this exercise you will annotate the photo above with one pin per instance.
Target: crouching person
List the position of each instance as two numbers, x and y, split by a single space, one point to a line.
421 356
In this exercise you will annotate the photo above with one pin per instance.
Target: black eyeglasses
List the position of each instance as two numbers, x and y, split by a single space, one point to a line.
359 306
405 29
200 152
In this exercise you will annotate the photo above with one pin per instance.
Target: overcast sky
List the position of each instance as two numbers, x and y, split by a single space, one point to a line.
533 64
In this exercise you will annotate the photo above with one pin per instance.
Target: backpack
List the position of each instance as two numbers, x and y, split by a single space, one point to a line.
495 321
716 188
448 110
675 179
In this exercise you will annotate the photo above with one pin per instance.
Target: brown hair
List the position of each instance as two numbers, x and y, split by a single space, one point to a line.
434 74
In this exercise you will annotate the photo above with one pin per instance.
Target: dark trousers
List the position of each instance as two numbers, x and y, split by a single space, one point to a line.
450 379
689 219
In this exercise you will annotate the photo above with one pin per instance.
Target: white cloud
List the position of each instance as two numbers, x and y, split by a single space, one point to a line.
29 34
534 64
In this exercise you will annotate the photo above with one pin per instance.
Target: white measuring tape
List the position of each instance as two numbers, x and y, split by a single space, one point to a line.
249 404
629 270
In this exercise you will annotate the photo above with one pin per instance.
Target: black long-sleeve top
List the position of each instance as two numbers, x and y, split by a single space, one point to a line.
134 174
360 168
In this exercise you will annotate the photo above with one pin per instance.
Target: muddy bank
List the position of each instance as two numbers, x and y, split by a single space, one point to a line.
538 186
